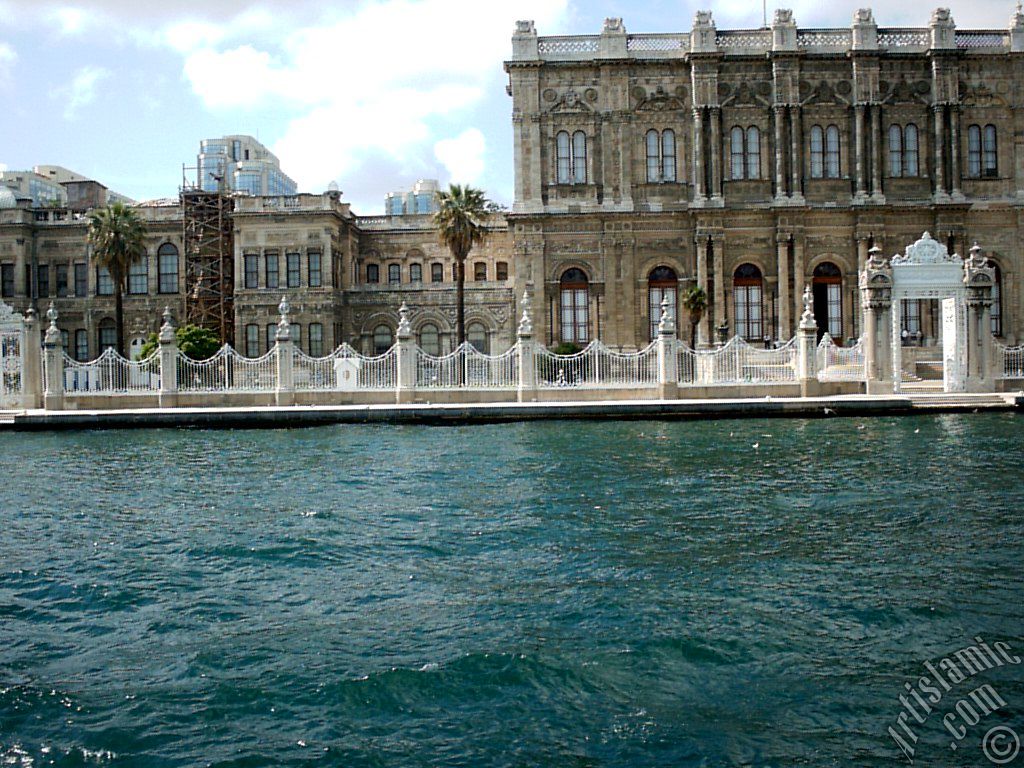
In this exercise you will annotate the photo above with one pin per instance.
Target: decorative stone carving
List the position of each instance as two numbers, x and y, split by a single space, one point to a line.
526 27
659 101
927 250
702 38
614 26
943 29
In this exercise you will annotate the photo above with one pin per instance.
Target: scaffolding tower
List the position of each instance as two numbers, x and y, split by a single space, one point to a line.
209 258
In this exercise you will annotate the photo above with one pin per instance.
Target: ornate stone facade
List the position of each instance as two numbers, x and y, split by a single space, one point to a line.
755 162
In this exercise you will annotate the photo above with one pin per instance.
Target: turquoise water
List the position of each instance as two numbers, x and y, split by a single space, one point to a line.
592 594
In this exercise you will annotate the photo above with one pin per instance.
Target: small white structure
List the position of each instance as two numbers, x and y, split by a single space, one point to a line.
346 373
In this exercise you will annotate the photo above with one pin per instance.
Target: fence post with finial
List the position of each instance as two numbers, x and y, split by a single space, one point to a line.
807 348
168 341
284 391
527 387
405 381
53 353
668 380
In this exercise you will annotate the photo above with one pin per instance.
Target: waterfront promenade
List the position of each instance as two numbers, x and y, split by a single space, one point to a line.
489 413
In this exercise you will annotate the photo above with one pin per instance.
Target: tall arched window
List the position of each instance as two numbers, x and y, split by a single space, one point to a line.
476 334
997 303
382 339
832 152
745 153
817 152
571 157
747 294
911 150
167 268
982 157
430 339
579 157
662 283
903 150
827 289
989 160
895 150
661 156
574 306
138 276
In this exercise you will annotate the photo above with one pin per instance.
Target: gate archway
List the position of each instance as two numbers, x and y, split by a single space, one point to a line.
12 345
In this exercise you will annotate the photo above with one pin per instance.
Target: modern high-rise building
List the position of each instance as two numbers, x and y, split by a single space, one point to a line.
240 163
421 199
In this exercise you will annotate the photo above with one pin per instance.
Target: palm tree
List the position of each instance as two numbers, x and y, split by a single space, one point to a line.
118 239
695 301
459 222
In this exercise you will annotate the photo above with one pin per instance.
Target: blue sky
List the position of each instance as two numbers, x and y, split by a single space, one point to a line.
371 94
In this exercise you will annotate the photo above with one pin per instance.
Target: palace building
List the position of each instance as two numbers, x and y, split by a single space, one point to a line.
754 162
747 162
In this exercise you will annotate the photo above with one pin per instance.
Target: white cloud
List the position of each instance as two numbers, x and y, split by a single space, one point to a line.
3 167
7 59
463 156
81 91
70 20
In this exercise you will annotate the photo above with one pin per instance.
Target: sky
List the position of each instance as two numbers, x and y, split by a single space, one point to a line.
372 94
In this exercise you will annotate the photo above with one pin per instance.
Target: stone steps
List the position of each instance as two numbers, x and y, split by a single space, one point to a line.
961 400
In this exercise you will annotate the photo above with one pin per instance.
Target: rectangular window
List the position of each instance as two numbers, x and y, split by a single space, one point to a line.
315 271
108 338
252 340
974 151
271 336
372 273
911 315
104 285
65 339
138 277
394 274
7 280
991 161
316 340
273 264
415 273
43 280
81 280
252 270
480 271
502 270
296 333
835 310
436 273
62 279
294 275
81 345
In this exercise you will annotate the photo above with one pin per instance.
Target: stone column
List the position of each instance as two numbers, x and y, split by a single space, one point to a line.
979 276
168 362
807 347
877 195
954 153
780 156
716 153
702 283
53 350
406 388
785 328
858 142
876 297
796 143
719 267
699 175
31 363
284 393
896 344
527 390
668 378
940 143
798 276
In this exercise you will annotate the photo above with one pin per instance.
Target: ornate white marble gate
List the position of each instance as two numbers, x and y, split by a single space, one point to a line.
928 271
12 342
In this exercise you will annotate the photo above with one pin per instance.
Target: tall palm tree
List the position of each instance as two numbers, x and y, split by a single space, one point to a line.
459 222
118 239
695 301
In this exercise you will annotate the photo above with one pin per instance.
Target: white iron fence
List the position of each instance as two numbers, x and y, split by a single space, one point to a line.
111 374
737 362
345 370
1009 361
468 367
837 363
598 366
228 371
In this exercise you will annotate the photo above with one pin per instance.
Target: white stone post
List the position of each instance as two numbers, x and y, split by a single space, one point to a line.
1017 30
406 380
284 393
53 398
979 277
527 388
168 362
668 378
807 347
32 363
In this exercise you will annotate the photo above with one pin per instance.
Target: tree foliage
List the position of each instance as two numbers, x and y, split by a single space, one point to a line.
460 225
194 342
118 239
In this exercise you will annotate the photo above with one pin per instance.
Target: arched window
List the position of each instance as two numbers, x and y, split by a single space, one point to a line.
997 303
394 274
252 340
817 152
167 268
661 156
895 151
382 339
81 345
744 153
579 157
476 335
372 273
747 293
107 334
138 276
564 158
982 157
430 339
415 273
911 151
574 306
316 339
827 290
662 283
832 152
436 273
